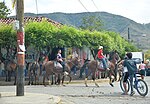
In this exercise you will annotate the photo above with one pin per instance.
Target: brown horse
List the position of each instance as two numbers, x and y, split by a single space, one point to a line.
114 58
51 69
93 66
33 72
10 67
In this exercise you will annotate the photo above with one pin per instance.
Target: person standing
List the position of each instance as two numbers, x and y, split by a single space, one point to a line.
142 67
102 58
2 70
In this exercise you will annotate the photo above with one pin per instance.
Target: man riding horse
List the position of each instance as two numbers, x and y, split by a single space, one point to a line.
102 58
92 66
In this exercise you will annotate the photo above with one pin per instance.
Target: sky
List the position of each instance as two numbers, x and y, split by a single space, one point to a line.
137 10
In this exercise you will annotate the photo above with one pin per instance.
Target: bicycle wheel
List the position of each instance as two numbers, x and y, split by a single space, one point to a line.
142 87
127 84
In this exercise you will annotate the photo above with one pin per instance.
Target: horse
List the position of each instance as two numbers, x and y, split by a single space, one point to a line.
93 66
33 72
10 66
114 58
51 68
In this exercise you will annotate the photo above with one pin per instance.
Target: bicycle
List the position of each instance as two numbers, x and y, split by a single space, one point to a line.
139 84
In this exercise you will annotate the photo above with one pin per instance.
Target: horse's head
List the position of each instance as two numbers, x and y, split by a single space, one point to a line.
34 65
74 62
114 57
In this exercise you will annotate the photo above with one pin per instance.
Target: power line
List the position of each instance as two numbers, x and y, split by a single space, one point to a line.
95 5
83 6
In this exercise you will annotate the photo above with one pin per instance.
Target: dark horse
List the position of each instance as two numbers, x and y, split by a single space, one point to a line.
33 72
51 69
10 67
93 66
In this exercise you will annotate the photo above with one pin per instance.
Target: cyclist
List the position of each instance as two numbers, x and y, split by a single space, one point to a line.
132 69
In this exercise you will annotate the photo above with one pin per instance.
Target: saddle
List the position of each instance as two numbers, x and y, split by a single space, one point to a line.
100 65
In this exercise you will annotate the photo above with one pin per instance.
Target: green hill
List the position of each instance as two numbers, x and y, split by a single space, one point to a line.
139 33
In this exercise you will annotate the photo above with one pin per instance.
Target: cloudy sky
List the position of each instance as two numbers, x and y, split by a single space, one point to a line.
137 10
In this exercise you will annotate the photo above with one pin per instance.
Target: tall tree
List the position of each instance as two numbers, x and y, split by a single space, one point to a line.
4 11
91 23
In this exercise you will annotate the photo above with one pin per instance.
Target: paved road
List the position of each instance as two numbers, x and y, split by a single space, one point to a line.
79 94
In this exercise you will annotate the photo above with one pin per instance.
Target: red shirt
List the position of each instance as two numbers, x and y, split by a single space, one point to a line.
100 54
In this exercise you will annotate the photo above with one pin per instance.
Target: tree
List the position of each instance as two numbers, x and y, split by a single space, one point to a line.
4 11
45 36
7 40
147 54
91 23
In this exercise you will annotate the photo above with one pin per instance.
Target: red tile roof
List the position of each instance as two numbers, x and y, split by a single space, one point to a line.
26 19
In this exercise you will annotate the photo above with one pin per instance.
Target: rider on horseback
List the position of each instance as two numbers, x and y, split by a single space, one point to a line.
101 57
60 59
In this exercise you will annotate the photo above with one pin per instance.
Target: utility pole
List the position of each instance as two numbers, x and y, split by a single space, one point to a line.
20 48
129 38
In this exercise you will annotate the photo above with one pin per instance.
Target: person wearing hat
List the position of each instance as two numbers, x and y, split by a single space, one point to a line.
101 57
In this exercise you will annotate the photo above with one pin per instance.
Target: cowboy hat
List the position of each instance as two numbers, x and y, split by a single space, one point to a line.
100 47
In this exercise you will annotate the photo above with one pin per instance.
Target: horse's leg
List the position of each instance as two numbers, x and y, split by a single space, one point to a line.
86 77
35 77
38 79
53 80
44 79
58 80
110 78
32 78
9 76
115 72
70 78
29 79
48 79
63 78
86 81
6 74
93 77
15 75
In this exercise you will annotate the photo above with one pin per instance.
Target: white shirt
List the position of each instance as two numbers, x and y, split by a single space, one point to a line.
125 69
